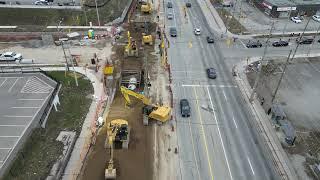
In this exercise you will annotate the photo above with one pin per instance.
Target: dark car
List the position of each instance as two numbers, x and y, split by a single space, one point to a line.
210 39
253 44
169 5
173 32
188 4
319 41
185 108
280 43
212 74
305 40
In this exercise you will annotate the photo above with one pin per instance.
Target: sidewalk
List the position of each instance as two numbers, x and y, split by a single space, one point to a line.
264 127
82 144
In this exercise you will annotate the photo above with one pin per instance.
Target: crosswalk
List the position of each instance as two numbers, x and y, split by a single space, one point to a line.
36 85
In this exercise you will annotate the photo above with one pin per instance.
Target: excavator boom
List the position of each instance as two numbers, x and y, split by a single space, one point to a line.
126 92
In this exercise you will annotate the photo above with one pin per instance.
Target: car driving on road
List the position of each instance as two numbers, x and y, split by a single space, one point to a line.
210 39
316 18
173 32
197 31
253 44
188 4
296 19
280 43
212 74
185 108
305 40
170 16
10 56
169 5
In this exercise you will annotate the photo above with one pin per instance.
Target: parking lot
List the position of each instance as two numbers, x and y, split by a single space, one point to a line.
23 98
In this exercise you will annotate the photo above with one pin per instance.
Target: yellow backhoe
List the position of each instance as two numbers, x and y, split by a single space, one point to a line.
131 48
150 111
118 133
146 7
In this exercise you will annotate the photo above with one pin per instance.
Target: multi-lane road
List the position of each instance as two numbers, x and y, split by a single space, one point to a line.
218 140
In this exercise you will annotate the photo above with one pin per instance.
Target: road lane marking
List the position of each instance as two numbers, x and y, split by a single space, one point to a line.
9 136
15 107
3 82
17 116
192 142
208 85
13 85
250 165
12 125
224 94
234 121
5 148
30 99
203 134
224 151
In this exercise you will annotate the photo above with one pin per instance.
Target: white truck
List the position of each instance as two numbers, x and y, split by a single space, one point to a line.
10 56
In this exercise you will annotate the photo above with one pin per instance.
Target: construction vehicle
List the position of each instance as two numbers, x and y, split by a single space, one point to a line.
131 48
146 7
118 132
150 111
147 39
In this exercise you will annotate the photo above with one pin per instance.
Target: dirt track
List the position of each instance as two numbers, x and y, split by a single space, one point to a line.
134 163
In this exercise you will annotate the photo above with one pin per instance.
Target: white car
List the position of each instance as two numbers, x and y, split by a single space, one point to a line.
41 2
170 16
316 18
296 19
10 56
197 31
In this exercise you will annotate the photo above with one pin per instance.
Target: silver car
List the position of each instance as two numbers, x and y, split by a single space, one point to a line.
170 16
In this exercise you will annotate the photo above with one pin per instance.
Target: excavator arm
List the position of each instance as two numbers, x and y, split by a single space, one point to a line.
127 92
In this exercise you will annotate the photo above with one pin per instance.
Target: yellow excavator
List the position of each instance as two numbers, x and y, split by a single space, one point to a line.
146 37
146 7
131 48
118 132
150 111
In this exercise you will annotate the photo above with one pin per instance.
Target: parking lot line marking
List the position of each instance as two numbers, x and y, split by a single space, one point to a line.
234 121
243 44
30 99
15 107
224 150
3 82
9 136
250 165
224 94
17 116
208 85
203 134
13 85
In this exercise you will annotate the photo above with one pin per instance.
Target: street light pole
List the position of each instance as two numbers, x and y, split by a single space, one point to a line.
282 74
254 88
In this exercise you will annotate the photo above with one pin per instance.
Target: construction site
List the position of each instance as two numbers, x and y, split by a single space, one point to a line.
125 143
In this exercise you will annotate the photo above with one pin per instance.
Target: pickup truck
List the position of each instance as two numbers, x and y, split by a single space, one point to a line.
10 56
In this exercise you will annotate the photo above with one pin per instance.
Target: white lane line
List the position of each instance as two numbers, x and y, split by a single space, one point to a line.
224 150
224 94
30 99
12 125
174 17
13 85
3 82
208 85
234 121
5 148
9 136
24 107
17 116
250 165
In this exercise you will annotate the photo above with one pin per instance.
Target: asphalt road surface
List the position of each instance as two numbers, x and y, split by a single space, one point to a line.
217 141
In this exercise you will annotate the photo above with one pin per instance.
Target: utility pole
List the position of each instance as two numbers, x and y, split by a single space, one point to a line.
97 12
260 67
282 74
299 39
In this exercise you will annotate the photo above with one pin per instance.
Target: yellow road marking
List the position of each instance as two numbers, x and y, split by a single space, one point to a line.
203 134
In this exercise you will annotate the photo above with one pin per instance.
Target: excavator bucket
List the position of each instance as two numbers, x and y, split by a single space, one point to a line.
110 174
161 113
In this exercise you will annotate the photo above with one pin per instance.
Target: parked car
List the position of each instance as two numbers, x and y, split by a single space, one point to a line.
253 44
41 2
305 40
280 43
212 74
316 18
188 4
318 40
296 19
169 5
10 56
170 16
173 31
210 39
185 108
197 31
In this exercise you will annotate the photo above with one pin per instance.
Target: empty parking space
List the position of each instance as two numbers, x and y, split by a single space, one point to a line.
22 98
